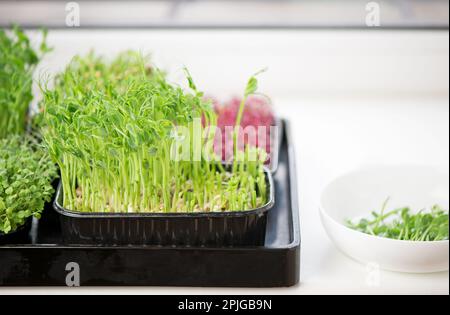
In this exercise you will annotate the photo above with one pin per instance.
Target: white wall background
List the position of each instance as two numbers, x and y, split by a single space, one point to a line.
325 64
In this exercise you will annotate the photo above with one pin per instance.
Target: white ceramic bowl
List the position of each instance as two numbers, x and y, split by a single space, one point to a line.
356 194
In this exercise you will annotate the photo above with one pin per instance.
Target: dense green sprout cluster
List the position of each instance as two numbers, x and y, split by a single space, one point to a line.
26 170
110 127
26 175
402 224
18 60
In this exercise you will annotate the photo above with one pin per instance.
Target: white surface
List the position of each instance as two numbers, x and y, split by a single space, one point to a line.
355 195
354 98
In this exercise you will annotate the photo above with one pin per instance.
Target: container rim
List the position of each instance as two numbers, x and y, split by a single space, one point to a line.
105 215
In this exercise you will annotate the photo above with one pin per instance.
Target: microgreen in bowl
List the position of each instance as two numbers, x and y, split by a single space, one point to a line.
26 176
403 224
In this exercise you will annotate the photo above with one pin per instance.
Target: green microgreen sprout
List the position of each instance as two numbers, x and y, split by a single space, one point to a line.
402 224
110 128
18 60
26 176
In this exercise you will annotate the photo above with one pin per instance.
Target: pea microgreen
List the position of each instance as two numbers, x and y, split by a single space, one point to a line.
403 224
18 60
110 128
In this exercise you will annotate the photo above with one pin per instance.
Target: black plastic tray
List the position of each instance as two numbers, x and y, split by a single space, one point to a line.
213 229
46 261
